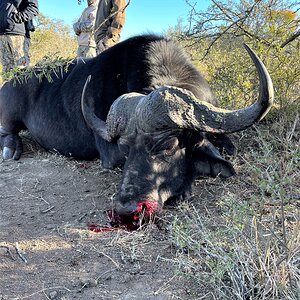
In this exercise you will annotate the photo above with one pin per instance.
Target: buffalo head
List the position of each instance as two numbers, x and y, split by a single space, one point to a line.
171 138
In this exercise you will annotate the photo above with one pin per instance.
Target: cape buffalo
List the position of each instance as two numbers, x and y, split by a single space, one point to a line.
144 106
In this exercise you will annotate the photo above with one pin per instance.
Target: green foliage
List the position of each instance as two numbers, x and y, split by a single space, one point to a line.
48 68
215 40
53 46
52 38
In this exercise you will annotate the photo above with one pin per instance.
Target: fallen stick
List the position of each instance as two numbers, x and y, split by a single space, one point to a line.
20 254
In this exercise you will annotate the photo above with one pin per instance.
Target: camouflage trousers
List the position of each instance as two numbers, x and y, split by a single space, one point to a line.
11 52
86 51
26 51
106 43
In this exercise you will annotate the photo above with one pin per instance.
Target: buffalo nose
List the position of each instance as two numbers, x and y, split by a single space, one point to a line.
125 209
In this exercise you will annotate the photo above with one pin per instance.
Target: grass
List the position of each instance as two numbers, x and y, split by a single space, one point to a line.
249 249
243 244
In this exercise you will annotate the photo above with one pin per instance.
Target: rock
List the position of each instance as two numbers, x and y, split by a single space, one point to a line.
88 282
53 294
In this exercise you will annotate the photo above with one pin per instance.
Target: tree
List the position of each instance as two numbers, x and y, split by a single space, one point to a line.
272 23
215 37
52 38
53 45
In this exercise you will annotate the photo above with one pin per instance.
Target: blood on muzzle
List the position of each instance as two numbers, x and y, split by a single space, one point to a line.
143 214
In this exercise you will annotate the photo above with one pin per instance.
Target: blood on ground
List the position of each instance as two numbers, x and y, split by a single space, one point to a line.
131 222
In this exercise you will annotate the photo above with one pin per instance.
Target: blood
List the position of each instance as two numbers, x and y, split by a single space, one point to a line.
96 228
83 166
141 216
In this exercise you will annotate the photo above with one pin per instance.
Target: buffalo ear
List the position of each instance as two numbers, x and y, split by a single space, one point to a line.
223 168
205 166
209 162
168 146
222 142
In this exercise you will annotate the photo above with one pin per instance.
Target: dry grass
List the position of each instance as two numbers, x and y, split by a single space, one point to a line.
241 242
251 249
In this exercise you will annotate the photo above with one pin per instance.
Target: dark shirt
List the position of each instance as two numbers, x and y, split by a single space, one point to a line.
14 14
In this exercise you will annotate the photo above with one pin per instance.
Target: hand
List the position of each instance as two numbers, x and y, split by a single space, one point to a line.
76 28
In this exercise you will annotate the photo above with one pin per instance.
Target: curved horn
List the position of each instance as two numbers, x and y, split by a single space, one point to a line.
224 121
95 123
120 119
172 107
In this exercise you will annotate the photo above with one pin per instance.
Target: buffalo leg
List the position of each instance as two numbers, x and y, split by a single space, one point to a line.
11 144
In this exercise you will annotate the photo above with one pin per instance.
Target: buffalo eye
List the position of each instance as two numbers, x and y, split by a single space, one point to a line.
166 147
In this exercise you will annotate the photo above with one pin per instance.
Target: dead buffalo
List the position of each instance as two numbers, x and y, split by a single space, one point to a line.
144 106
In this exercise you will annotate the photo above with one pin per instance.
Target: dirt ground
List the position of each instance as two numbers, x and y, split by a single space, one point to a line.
47 250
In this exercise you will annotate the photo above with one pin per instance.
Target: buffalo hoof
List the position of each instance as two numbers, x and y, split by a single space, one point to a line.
12 147
8 153
107 165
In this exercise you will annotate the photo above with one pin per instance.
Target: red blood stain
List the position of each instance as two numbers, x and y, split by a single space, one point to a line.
132 222
83 166
96 228
145 210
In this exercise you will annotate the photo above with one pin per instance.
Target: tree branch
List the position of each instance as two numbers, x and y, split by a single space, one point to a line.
290 39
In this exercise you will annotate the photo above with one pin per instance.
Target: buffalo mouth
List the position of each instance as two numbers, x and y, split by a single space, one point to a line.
144 213
135 210
133 215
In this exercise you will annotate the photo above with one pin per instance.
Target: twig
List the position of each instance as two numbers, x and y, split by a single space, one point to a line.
33 196
46 289
285 237
19 253
47 209
81 217
107 256
290 39
164 286
291 134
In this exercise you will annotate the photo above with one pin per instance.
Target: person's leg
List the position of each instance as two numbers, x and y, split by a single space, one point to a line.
6 54
16 43
90 52
101 46
26 51
81 51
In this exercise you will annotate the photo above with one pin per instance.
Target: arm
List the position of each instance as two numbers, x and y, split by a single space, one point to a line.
88 24
31 10
85 24
76 27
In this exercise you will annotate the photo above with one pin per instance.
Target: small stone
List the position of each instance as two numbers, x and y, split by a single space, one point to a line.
88 282
53 294
93 283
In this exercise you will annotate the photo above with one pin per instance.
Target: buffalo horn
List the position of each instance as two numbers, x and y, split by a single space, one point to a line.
96 124
224 121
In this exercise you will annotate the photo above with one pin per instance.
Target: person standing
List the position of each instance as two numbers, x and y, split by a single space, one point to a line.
29 27
84 29
13 15
109 23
